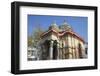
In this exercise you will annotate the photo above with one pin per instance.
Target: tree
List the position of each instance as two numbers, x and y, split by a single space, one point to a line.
30 42
36 36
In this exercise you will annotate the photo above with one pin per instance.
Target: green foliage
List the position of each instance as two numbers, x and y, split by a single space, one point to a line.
30 43
35 37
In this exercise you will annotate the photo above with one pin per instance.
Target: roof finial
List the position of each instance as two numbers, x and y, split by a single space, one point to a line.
54 23
65 23
64 20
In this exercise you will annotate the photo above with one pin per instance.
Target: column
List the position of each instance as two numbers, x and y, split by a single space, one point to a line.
42 52
51 50
73 40
62 50
77 53
57 50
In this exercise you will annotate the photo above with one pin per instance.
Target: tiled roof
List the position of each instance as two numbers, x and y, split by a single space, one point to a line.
62 33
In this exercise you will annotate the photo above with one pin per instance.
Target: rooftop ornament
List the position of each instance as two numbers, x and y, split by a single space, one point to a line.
65 26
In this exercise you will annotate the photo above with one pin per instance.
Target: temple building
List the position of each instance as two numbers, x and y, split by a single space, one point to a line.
61 42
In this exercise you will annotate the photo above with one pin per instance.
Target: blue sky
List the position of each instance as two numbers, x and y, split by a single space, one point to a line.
79 24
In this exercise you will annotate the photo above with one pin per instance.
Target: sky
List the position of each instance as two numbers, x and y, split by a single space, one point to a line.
79 24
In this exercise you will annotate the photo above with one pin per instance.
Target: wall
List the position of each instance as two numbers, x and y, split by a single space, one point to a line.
5 39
